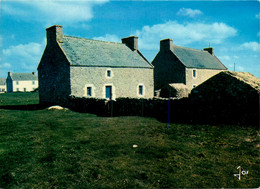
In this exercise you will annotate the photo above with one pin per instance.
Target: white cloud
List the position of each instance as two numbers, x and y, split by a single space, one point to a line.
5 65
183 34
52 11
189 12
24 57
240 68
27 50
253 46
224 58
108 37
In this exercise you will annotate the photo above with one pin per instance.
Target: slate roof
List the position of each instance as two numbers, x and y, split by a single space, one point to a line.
23 76
193 58
2 81
86 52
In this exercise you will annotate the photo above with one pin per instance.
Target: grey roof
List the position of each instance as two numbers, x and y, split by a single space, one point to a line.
2 81
23 76
193 58
86 52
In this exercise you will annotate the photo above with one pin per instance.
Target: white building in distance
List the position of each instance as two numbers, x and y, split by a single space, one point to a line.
23 82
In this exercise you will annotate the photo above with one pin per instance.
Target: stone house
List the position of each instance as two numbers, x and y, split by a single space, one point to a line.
73 66
24 82
174 64
2 85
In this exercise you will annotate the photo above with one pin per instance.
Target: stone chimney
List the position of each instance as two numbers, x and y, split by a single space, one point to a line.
54 33
9 74
210 50
166 44
131 42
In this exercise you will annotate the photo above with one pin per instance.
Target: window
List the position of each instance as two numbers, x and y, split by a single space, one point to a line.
194 73
33 82
17 82
89 91
24 89
141 90
109 92
108 73
17 89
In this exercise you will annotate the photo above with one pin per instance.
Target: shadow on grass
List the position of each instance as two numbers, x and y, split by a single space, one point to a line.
29 107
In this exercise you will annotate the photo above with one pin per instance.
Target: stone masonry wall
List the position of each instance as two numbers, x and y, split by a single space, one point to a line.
201 76
167 69
53 76
124 81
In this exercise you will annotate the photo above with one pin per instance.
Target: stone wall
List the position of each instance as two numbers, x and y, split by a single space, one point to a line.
53 76
124 81
201 76
167 69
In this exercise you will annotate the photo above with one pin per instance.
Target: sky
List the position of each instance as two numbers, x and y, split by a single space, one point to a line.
230 27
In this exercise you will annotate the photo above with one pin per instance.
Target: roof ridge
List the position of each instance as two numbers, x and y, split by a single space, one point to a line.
92 40
188 48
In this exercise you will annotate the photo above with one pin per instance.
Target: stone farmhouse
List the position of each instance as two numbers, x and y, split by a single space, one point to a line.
73 66
2 85
23 82
181 69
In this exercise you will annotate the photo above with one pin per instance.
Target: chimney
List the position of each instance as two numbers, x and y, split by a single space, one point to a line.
210 50
166 44
33 73
131 42
54 33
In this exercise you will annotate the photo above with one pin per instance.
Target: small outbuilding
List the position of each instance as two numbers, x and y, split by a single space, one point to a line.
177 90
231 96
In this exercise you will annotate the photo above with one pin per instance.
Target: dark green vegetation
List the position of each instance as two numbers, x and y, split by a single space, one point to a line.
65 149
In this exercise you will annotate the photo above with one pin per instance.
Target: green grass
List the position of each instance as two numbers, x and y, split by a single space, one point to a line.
66 149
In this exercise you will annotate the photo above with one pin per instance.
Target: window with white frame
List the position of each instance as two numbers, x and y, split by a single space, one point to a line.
108 73
17 82
141 90
33 82
89 91
194 73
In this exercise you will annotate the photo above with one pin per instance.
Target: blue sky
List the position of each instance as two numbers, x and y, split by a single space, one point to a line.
231 27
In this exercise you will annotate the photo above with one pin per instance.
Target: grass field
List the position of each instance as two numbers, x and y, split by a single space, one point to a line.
42 148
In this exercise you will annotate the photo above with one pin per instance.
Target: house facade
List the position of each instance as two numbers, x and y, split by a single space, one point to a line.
72 66
21 82
174 64
2 85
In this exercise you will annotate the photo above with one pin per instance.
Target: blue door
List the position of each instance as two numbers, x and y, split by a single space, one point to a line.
109 92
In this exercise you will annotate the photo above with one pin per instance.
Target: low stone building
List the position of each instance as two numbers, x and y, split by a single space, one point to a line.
72 66
177 90
229 96
21 82
2 85
174 64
